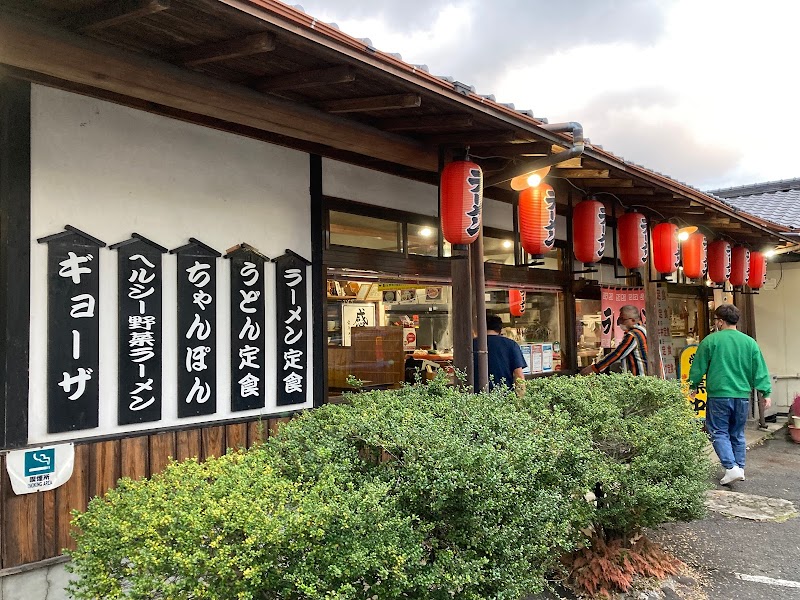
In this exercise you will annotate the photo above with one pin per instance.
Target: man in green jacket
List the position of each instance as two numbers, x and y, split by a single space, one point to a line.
734 366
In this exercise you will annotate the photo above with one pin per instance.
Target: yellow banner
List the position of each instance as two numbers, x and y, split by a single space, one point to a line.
699 402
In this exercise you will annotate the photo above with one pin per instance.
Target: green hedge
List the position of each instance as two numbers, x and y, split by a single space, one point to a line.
425 492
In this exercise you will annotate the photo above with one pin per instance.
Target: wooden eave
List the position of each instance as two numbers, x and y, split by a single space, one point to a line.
264 69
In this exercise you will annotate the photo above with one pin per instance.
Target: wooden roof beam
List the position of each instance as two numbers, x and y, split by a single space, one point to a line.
305 79
113 13
257 43
354 105
515 150
428 122
629 191
472 138
580 173
607 183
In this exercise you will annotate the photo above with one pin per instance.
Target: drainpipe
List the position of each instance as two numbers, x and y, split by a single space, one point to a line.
548 161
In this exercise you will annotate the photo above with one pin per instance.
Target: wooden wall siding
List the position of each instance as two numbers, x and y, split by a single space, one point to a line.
34 527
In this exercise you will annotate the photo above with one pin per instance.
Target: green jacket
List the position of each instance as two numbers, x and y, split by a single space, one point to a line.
733 364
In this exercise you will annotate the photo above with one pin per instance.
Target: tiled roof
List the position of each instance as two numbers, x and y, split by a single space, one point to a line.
775 201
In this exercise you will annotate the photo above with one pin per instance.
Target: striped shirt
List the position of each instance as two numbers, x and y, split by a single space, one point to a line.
632 348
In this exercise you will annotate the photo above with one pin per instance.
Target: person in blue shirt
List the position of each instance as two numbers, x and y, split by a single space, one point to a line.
505 358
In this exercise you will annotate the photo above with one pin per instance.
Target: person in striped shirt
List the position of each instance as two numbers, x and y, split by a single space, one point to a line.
632 350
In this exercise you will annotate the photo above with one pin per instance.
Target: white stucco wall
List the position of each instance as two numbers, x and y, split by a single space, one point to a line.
111 171
778 330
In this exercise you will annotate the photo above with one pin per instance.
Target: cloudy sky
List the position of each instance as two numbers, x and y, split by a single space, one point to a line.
701 90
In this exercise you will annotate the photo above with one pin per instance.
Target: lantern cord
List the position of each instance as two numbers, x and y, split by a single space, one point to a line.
613 196
781 277
572 184
651 209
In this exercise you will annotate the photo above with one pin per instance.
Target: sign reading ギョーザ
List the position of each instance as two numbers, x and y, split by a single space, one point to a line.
40 469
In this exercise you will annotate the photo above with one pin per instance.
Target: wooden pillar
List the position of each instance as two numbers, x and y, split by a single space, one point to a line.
651 308
479 294
569 349
15 248
462 311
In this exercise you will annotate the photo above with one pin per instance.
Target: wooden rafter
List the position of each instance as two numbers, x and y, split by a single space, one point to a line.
630 191
257 43
428 123
607 183
472 138
515 150
306 79
113 13
581 173
354 105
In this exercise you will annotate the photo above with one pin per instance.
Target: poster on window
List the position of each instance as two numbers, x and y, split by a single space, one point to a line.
611 300
356 315
73 330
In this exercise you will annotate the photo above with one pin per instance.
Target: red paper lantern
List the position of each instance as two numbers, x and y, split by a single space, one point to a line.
695 256
666 254
758 270
589 231
719 261
740 265
462 196
632 237
537 219
516 302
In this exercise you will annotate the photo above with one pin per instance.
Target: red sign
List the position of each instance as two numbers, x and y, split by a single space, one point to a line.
611 300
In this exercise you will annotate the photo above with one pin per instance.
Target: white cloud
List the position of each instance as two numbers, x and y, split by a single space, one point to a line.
703 90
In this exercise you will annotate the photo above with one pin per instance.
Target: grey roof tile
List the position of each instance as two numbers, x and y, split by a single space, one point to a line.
780 206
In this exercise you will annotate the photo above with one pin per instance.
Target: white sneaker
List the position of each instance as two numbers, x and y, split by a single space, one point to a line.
735 473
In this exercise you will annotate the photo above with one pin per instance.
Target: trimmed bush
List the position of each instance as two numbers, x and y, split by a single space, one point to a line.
425 492
650 465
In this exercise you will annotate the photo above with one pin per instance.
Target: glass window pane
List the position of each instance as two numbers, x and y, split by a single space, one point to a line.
365 232
423 240
549 262
540 323
498 250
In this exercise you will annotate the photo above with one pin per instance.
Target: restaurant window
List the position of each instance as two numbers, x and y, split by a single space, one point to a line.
423 240
357 231
588 331
539 330
385 331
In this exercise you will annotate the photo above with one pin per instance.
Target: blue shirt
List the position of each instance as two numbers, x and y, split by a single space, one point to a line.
504 356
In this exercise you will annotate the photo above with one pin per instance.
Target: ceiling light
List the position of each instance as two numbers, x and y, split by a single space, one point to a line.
507 244
529 179
769 253
426 232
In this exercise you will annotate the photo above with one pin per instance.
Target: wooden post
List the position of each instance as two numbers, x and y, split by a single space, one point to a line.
651 308
479 289
462 313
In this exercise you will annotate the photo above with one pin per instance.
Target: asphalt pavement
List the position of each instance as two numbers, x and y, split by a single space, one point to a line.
748 558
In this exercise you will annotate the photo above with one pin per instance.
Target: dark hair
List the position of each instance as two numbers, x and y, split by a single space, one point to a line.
728 313
494 323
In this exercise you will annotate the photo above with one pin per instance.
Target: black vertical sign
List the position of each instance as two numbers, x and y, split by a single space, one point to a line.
139 326
291 305
73 333
248 320
197 329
